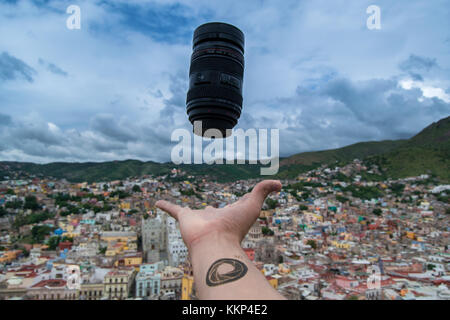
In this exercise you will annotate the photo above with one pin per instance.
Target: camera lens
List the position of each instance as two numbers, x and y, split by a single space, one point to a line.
215 77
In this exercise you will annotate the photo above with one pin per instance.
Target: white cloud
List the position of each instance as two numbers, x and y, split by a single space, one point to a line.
427 90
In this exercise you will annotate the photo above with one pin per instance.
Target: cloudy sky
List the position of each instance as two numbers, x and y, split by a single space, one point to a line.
116 88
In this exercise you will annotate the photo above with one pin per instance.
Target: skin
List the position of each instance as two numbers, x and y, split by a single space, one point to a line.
213 237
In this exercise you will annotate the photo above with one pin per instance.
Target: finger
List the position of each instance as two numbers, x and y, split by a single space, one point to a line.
263 189
170 208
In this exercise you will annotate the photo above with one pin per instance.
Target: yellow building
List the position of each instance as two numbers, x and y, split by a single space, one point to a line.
118 236
341 244
134 260
410 235
118 283
187 287
273 281
8 256
312 216
283 268
265 213
115 249
125 205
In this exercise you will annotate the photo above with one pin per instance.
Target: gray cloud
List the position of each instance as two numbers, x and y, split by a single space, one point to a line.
107 125
417 63
416 66
12 68
177 102
342 112
36 133
52 68
5 119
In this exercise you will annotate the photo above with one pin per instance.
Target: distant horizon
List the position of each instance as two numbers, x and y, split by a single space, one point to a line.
168 162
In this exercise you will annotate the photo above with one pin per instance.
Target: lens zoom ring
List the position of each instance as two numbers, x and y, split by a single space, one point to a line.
217 64
208 91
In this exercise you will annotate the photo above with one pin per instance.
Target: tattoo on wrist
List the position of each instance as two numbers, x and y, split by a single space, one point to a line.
214 278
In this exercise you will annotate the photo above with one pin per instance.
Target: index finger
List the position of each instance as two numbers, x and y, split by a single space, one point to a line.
170 208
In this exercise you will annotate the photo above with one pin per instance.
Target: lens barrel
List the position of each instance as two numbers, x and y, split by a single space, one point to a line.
216 77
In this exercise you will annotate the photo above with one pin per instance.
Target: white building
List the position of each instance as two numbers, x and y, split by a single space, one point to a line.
176 249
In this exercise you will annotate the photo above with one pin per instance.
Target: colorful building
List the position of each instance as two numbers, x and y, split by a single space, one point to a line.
148 280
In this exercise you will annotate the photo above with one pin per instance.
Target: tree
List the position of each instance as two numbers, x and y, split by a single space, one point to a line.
312 243
31 203
38 233
267 231
120 193
53 242
16 204
67 239
3 212
377 211
136 188
341 199
397 188
302 207
271 203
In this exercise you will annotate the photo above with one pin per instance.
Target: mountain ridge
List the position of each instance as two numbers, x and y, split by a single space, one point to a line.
426 152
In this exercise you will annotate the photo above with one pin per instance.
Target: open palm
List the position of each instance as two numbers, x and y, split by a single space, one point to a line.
233 221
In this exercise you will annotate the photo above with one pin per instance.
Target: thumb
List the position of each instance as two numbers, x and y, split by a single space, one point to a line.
263 189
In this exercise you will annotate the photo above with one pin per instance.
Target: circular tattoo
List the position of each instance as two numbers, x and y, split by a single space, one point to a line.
214 278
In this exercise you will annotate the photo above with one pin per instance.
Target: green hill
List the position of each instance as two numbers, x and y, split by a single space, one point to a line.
426 152
358 150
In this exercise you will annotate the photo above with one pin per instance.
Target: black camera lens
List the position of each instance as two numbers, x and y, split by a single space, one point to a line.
215 77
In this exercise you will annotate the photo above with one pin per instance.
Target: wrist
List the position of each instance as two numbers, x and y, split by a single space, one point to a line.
214 241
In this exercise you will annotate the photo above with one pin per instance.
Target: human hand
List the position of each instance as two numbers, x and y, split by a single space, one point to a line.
230 223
